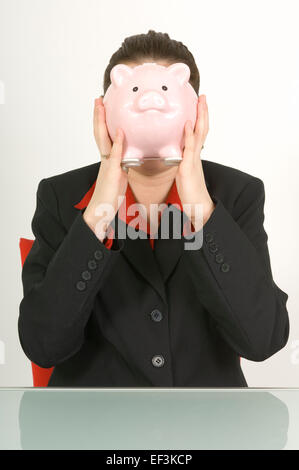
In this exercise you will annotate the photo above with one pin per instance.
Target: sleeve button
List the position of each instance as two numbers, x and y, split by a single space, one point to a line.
209 237
219 258
213 247
98 254
225 267
86 275
92 264
81 285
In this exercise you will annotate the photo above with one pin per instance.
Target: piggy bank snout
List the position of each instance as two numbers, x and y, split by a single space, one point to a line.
151 100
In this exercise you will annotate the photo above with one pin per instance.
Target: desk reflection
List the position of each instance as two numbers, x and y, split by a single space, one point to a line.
133 419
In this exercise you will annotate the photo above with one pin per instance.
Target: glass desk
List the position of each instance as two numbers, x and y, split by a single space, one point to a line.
149 418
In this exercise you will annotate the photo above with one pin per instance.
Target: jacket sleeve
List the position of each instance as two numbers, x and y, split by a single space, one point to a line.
61 277
233 276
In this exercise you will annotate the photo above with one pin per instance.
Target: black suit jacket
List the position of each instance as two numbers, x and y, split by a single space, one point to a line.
215 304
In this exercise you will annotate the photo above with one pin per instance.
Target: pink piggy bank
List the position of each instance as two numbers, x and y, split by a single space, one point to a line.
151 103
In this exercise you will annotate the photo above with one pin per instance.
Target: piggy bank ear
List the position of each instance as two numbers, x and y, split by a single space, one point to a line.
119 74
181 72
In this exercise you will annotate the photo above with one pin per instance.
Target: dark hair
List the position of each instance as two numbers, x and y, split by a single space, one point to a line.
155 46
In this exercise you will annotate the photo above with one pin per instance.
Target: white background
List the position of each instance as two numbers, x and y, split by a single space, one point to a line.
52 59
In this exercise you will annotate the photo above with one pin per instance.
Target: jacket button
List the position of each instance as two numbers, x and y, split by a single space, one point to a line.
156 315
92 264
158 361
98 254
81 285
219 258
213 247
225 267
86 275
209 237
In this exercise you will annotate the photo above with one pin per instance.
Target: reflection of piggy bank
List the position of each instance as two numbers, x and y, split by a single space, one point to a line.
151 103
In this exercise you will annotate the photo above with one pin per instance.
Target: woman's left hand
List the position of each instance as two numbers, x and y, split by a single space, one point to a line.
190 179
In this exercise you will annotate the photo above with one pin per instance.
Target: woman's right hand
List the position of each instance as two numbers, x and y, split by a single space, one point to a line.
112 179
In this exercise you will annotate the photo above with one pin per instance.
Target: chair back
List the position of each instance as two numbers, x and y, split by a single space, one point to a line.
41 376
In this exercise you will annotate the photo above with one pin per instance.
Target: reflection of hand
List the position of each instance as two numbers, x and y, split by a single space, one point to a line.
190 179
112 180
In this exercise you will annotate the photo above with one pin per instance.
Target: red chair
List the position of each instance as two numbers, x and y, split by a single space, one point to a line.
41 376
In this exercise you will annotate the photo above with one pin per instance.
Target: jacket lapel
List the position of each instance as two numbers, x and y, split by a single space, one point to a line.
168 250
140 255
137 251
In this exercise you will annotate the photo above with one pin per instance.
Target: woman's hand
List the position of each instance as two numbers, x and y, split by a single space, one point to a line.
190 179
111 181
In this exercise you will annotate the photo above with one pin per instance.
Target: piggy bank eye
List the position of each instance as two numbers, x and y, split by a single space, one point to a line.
135 88
164 87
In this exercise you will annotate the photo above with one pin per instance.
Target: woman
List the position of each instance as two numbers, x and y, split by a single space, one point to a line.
108 311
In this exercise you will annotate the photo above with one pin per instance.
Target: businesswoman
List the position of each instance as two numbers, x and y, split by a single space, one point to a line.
112 311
